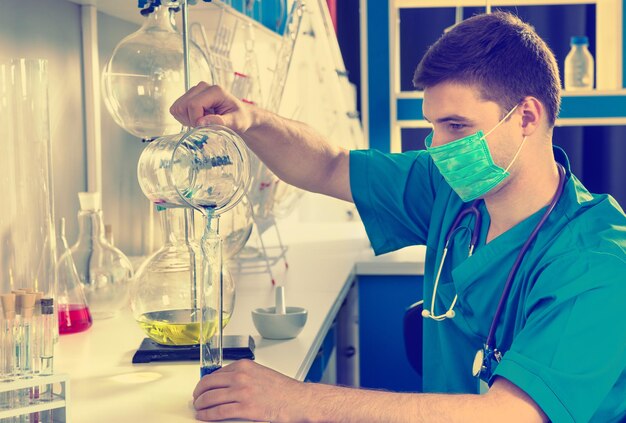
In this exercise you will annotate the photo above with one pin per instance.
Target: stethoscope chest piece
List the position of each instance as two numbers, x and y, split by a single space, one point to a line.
485 362
479 359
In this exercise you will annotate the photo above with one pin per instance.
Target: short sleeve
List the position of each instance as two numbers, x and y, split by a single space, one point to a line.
394 194
571 351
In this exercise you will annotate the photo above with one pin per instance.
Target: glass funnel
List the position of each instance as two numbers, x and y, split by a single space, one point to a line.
205 168
162 295
145 76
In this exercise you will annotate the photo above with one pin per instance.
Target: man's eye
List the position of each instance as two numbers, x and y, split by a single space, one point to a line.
456 126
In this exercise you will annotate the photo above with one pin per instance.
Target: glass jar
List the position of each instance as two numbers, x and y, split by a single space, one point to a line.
104 270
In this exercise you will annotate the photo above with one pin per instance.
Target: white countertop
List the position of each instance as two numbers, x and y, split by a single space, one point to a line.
107 387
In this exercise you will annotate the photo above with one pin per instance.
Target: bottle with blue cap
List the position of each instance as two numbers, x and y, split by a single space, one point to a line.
579 65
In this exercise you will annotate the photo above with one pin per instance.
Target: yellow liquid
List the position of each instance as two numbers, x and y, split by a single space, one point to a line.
174 327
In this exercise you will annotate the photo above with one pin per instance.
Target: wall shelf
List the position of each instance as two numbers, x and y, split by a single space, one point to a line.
578 108
387 109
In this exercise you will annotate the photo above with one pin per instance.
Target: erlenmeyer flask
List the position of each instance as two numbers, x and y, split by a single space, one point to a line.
145 76
73 312
104 270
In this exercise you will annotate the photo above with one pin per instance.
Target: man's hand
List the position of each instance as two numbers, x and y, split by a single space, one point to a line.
247 390
207 104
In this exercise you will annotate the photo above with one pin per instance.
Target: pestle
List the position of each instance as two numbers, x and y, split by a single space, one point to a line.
280 300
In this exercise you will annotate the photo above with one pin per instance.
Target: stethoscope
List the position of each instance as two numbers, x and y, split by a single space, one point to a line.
485 357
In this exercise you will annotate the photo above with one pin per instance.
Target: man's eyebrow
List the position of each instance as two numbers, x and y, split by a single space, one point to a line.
455 118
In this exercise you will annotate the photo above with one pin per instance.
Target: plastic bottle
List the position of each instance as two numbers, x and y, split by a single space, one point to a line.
579 65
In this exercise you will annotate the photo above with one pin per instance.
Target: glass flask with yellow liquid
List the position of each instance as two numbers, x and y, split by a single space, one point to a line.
163 298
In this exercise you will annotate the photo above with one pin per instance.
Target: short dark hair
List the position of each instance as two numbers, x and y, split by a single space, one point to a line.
500 54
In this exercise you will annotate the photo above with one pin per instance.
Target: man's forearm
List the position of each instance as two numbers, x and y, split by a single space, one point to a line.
348 405
298 154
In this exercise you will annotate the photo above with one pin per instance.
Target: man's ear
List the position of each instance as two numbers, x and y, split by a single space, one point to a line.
532 112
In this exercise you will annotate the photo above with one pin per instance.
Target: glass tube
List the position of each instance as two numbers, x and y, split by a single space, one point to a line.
210 301
7 334
47 350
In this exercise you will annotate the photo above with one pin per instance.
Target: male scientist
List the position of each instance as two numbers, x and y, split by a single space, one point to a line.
525 276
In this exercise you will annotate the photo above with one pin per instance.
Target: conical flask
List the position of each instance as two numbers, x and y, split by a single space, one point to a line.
72 307
104 270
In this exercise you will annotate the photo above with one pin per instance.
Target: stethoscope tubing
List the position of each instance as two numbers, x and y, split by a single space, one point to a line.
490 342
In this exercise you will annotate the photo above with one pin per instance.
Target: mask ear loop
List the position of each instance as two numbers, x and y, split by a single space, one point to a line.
516 154
501 121
521 144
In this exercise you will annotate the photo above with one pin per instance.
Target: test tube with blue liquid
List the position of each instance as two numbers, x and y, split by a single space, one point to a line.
210 300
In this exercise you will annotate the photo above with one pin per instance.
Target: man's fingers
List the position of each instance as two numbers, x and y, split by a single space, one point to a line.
212 120
213 398
179 108
192 105
204 101
220 412
213 381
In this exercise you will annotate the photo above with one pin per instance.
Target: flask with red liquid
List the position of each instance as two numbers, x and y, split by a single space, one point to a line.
73 313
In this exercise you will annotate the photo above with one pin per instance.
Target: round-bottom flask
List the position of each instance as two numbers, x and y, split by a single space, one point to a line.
163 296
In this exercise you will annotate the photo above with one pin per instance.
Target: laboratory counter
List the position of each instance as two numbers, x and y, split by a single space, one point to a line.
323 261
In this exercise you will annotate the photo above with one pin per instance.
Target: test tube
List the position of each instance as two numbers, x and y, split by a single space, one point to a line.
25 303
9 331
47 351
210 300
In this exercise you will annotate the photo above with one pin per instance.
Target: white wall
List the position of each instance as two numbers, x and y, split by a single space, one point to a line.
50 30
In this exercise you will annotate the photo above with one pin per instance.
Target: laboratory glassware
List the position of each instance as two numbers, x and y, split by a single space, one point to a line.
8 369
210 298
235 228
205 168
27 240
47 345
579 65
104 270
73 312
145 75
162 291
221 46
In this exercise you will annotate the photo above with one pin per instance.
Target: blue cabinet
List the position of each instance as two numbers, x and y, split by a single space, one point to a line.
382 302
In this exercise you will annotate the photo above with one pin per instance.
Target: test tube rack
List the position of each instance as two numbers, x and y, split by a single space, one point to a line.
58 404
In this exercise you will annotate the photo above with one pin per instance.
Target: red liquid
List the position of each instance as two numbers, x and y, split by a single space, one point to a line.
73 318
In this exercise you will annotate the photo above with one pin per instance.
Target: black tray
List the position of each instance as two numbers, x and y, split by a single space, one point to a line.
234 347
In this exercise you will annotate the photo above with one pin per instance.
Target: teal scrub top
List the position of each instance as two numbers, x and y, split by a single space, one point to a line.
563 330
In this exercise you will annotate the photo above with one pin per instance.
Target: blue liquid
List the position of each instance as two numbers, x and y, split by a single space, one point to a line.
207 370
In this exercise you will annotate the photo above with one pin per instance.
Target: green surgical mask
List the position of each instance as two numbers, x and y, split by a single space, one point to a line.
466 164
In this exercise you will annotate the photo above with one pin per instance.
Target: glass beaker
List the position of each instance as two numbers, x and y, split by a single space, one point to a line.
162 297
204 168
73 313
145 75
27 235
103 269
